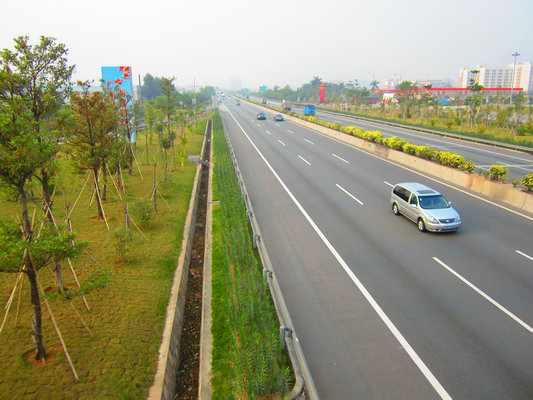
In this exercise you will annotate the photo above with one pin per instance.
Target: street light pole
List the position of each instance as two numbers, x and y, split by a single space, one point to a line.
515 55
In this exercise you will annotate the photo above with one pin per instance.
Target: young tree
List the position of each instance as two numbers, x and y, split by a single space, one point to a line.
168 107
407 97
94 139
22 155
45 78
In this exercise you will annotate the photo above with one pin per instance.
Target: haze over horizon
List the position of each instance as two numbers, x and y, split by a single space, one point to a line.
278 43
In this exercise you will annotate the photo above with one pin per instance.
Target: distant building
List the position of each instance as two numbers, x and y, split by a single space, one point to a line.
437 83
499 77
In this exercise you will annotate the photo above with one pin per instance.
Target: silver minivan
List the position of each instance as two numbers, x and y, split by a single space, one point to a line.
424 206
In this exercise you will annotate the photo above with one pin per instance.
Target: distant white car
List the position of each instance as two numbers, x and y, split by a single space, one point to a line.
424 206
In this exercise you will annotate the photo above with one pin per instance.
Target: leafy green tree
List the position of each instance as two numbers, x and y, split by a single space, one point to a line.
407 97
44 76
151 87
22 156
167 107
474 101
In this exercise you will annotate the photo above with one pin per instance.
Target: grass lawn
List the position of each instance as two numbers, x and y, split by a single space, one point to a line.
118 357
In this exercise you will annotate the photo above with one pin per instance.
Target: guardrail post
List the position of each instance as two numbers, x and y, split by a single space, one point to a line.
256 238
282 331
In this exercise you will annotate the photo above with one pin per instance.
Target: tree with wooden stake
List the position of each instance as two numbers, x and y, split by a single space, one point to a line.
94 133
44 76
126 117
22 155
28 253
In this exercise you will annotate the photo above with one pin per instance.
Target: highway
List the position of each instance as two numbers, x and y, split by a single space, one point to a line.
518 163
383 311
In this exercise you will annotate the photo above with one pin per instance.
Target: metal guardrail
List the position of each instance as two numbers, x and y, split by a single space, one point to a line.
304 386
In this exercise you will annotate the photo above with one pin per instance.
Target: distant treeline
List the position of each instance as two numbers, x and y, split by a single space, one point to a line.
151 89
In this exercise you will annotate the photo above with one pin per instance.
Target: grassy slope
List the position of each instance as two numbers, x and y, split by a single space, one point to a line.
247 357
127 314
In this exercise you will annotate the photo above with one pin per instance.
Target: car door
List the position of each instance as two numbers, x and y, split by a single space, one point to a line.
412 207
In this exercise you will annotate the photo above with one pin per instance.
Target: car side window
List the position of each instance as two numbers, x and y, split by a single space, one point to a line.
414 200
401 193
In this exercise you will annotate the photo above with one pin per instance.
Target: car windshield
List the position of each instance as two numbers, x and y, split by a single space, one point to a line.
433 202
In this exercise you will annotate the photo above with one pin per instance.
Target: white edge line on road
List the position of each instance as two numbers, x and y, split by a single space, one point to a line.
340 158
486 296
304 160
349 194
524 254
281 142
386 320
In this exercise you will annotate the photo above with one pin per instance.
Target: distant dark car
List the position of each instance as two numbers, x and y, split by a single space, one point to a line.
278 117
238 103
261 116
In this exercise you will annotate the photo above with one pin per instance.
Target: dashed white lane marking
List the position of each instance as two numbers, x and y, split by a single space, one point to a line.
304 160
340 158
524 254
349 194
484 295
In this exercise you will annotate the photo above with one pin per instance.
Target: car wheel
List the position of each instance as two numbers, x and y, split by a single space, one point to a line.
421 225
395 210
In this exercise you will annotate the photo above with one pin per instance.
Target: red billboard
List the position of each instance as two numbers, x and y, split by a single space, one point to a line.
322 91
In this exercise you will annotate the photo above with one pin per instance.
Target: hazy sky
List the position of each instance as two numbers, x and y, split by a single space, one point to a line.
278 42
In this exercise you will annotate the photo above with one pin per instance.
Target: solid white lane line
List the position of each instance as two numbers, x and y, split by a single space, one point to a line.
379 311
288 130
349 194
524 254
486 296
340 158
268 132
308 163
308 141
281 142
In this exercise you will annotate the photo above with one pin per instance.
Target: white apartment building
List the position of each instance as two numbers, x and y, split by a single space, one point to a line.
499 77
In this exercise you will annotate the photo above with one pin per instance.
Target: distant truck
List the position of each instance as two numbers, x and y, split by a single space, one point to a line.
309 110
286 105
263 100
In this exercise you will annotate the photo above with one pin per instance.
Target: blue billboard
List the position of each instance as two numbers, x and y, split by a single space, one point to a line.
119 79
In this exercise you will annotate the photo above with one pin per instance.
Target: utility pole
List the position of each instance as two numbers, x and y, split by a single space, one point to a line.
515 55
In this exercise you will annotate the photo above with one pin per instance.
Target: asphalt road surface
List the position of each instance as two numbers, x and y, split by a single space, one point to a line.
484 156
383 311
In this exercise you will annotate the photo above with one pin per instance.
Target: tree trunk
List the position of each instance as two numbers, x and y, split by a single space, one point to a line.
154 193
47 204
36 326
98 200
104 173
